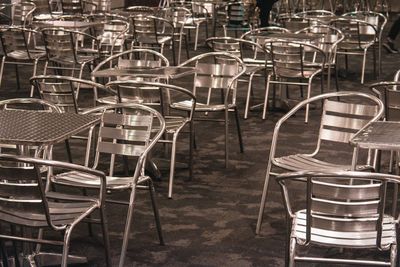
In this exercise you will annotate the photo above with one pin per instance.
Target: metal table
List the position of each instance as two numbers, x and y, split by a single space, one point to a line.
163 72
380 135
21 127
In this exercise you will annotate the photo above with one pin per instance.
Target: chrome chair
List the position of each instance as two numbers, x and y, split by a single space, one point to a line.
239 17
322 16
253 55
291 61
126 132
63 52
359 36
175 122
152 32
27 201
137 59
340 121
343 210
77 7
214 86
329 41
179 16
19 49
379 21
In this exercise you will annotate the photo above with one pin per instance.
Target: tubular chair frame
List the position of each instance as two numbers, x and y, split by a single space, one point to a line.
344 210
225 79
122 135
51 214
291 63
174 123
344 124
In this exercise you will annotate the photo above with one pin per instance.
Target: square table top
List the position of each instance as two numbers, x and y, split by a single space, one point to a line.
163 72
22 127
384 135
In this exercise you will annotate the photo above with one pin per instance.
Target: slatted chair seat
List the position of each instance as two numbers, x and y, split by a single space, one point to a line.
364 239
200 106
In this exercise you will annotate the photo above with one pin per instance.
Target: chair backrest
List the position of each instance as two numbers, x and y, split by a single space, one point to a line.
291 59
62 90
216 72
72 7
42 8
358 34
111 37
295 23
177 15
157 28
390 95
250 52
330 38
22 14
322 16
376 19
17 42
22 190
239 14
126 129
139 58
130 91
343 202
62 43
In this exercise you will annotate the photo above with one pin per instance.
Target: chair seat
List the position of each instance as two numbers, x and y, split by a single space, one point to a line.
174 124
298 162
153 39
79 179
61 212
81 59
23 54
296 73
186 105
358 239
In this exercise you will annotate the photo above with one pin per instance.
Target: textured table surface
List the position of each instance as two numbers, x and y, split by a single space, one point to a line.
41 128
383 135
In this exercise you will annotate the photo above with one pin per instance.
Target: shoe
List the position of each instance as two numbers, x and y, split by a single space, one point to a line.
391 48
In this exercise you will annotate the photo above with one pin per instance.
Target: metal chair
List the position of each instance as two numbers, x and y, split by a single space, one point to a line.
329 41
63 51
239 17
19 49
26 200
214 85
126 132
342 210
152 32
323 16
139 59
340 121
77 7
131 91
379 21
291 61
359 36
253 55
179 16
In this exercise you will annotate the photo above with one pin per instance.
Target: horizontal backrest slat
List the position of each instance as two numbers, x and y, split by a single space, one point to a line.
121 149
125 134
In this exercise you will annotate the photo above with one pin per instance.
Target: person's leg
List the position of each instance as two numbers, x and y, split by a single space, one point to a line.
265 7
395 29
393 33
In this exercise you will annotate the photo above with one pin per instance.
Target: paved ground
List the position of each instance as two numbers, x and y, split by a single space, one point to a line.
211 219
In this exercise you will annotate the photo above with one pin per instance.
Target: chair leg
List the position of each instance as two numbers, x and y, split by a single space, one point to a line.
292 251
363 66
187 47
266 98
336 79
263 197
393 255
17 76
155 211
106 237
226 137
67 235
196 38
239 130
68 148
34 74
308 97
128 224
191 148
172 165
3 61
246 109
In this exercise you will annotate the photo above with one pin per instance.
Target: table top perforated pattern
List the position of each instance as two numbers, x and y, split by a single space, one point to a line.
379 135
41 128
